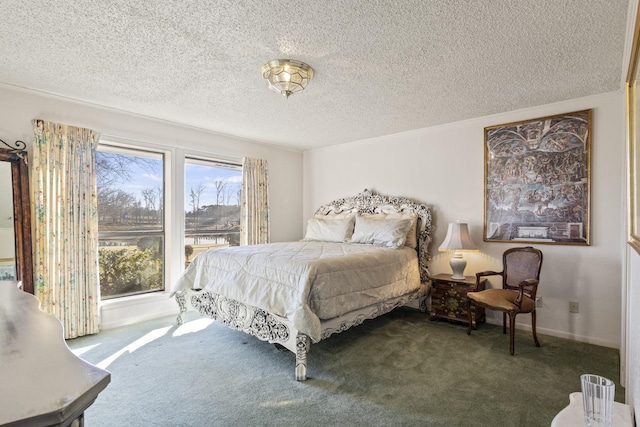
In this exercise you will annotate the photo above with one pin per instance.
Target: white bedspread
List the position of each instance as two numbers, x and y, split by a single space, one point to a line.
305 281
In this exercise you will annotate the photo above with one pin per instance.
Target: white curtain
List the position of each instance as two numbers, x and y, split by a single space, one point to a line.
65 225
254 219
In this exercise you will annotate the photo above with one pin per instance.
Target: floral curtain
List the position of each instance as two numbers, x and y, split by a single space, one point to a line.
65 225
254 218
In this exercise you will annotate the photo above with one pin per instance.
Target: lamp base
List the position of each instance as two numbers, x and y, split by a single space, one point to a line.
458 264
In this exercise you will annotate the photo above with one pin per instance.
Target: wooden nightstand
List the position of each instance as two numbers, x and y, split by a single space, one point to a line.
449 299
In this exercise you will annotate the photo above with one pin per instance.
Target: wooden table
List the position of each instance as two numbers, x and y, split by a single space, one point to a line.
42 383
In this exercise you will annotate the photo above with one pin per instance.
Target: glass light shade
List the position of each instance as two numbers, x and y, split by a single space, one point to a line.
287 76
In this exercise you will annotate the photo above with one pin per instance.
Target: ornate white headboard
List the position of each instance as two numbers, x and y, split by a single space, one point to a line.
367 202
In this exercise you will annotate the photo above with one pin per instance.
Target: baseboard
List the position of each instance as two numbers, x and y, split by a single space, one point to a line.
560 334
140 308
135 309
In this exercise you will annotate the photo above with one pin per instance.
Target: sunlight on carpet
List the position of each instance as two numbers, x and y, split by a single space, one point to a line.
192 326
137 344
82 350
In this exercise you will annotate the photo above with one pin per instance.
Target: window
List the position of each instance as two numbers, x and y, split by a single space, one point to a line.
212 205
130 221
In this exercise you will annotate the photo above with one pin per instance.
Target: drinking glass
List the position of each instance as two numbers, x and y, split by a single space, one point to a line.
597 398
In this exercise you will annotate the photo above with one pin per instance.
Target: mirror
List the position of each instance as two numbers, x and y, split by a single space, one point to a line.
16 259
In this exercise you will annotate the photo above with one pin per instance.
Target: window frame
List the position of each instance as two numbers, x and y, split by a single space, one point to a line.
207 161
112 145
174 226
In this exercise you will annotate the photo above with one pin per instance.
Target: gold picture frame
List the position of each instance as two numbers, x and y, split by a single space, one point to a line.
633 119
538 180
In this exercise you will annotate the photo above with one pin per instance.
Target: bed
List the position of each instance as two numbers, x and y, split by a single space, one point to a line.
361 257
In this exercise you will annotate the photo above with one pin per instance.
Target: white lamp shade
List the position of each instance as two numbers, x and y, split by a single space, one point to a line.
457 238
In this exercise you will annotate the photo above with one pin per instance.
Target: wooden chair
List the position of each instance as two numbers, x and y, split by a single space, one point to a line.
520 277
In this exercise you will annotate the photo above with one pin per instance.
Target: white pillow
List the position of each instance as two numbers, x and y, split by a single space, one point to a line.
412 235
380 231
330 229
337 216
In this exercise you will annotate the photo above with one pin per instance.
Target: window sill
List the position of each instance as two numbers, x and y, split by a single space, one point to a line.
136 308
135 299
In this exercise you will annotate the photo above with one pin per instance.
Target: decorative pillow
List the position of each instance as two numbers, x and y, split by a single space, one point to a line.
380 231
412 235
330 229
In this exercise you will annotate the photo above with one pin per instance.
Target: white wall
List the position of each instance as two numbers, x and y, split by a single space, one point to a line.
7 248
633 332
19 107
443 166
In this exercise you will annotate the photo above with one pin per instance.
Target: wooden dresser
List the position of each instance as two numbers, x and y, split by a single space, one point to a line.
449 299
42 383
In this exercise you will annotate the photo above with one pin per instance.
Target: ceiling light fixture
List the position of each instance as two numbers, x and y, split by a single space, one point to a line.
287 76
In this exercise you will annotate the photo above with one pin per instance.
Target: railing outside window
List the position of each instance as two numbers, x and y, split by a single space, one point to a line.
212 205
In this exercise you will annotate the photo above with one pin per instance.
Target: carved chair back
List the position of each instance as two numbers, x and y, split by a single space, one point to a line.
521 264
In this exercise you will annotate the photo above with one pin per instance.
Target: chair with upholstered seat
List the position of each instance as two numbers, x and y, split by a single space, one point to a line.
520 278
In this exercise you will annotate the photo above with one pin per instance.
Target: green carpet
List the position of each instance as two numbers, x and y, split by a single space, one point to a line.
398 370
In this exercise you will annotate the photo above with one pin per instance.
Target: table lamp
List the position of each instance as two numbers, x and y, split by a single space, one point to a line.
457 240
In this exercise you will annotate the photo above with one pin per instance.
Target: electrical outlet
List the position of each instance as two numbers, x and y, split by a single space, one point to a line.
574 307
538 301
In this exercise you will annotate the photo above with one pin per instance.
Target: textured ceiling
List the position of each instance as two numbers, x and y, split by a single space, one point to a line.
381 67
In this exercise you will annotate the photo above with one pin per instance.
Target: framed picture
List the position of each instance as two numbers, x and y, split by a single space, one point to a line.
537 180
633 119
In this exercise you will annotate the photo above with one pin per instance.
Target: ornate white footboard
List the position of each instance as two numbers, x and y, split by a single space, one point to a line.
249 319
275 329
